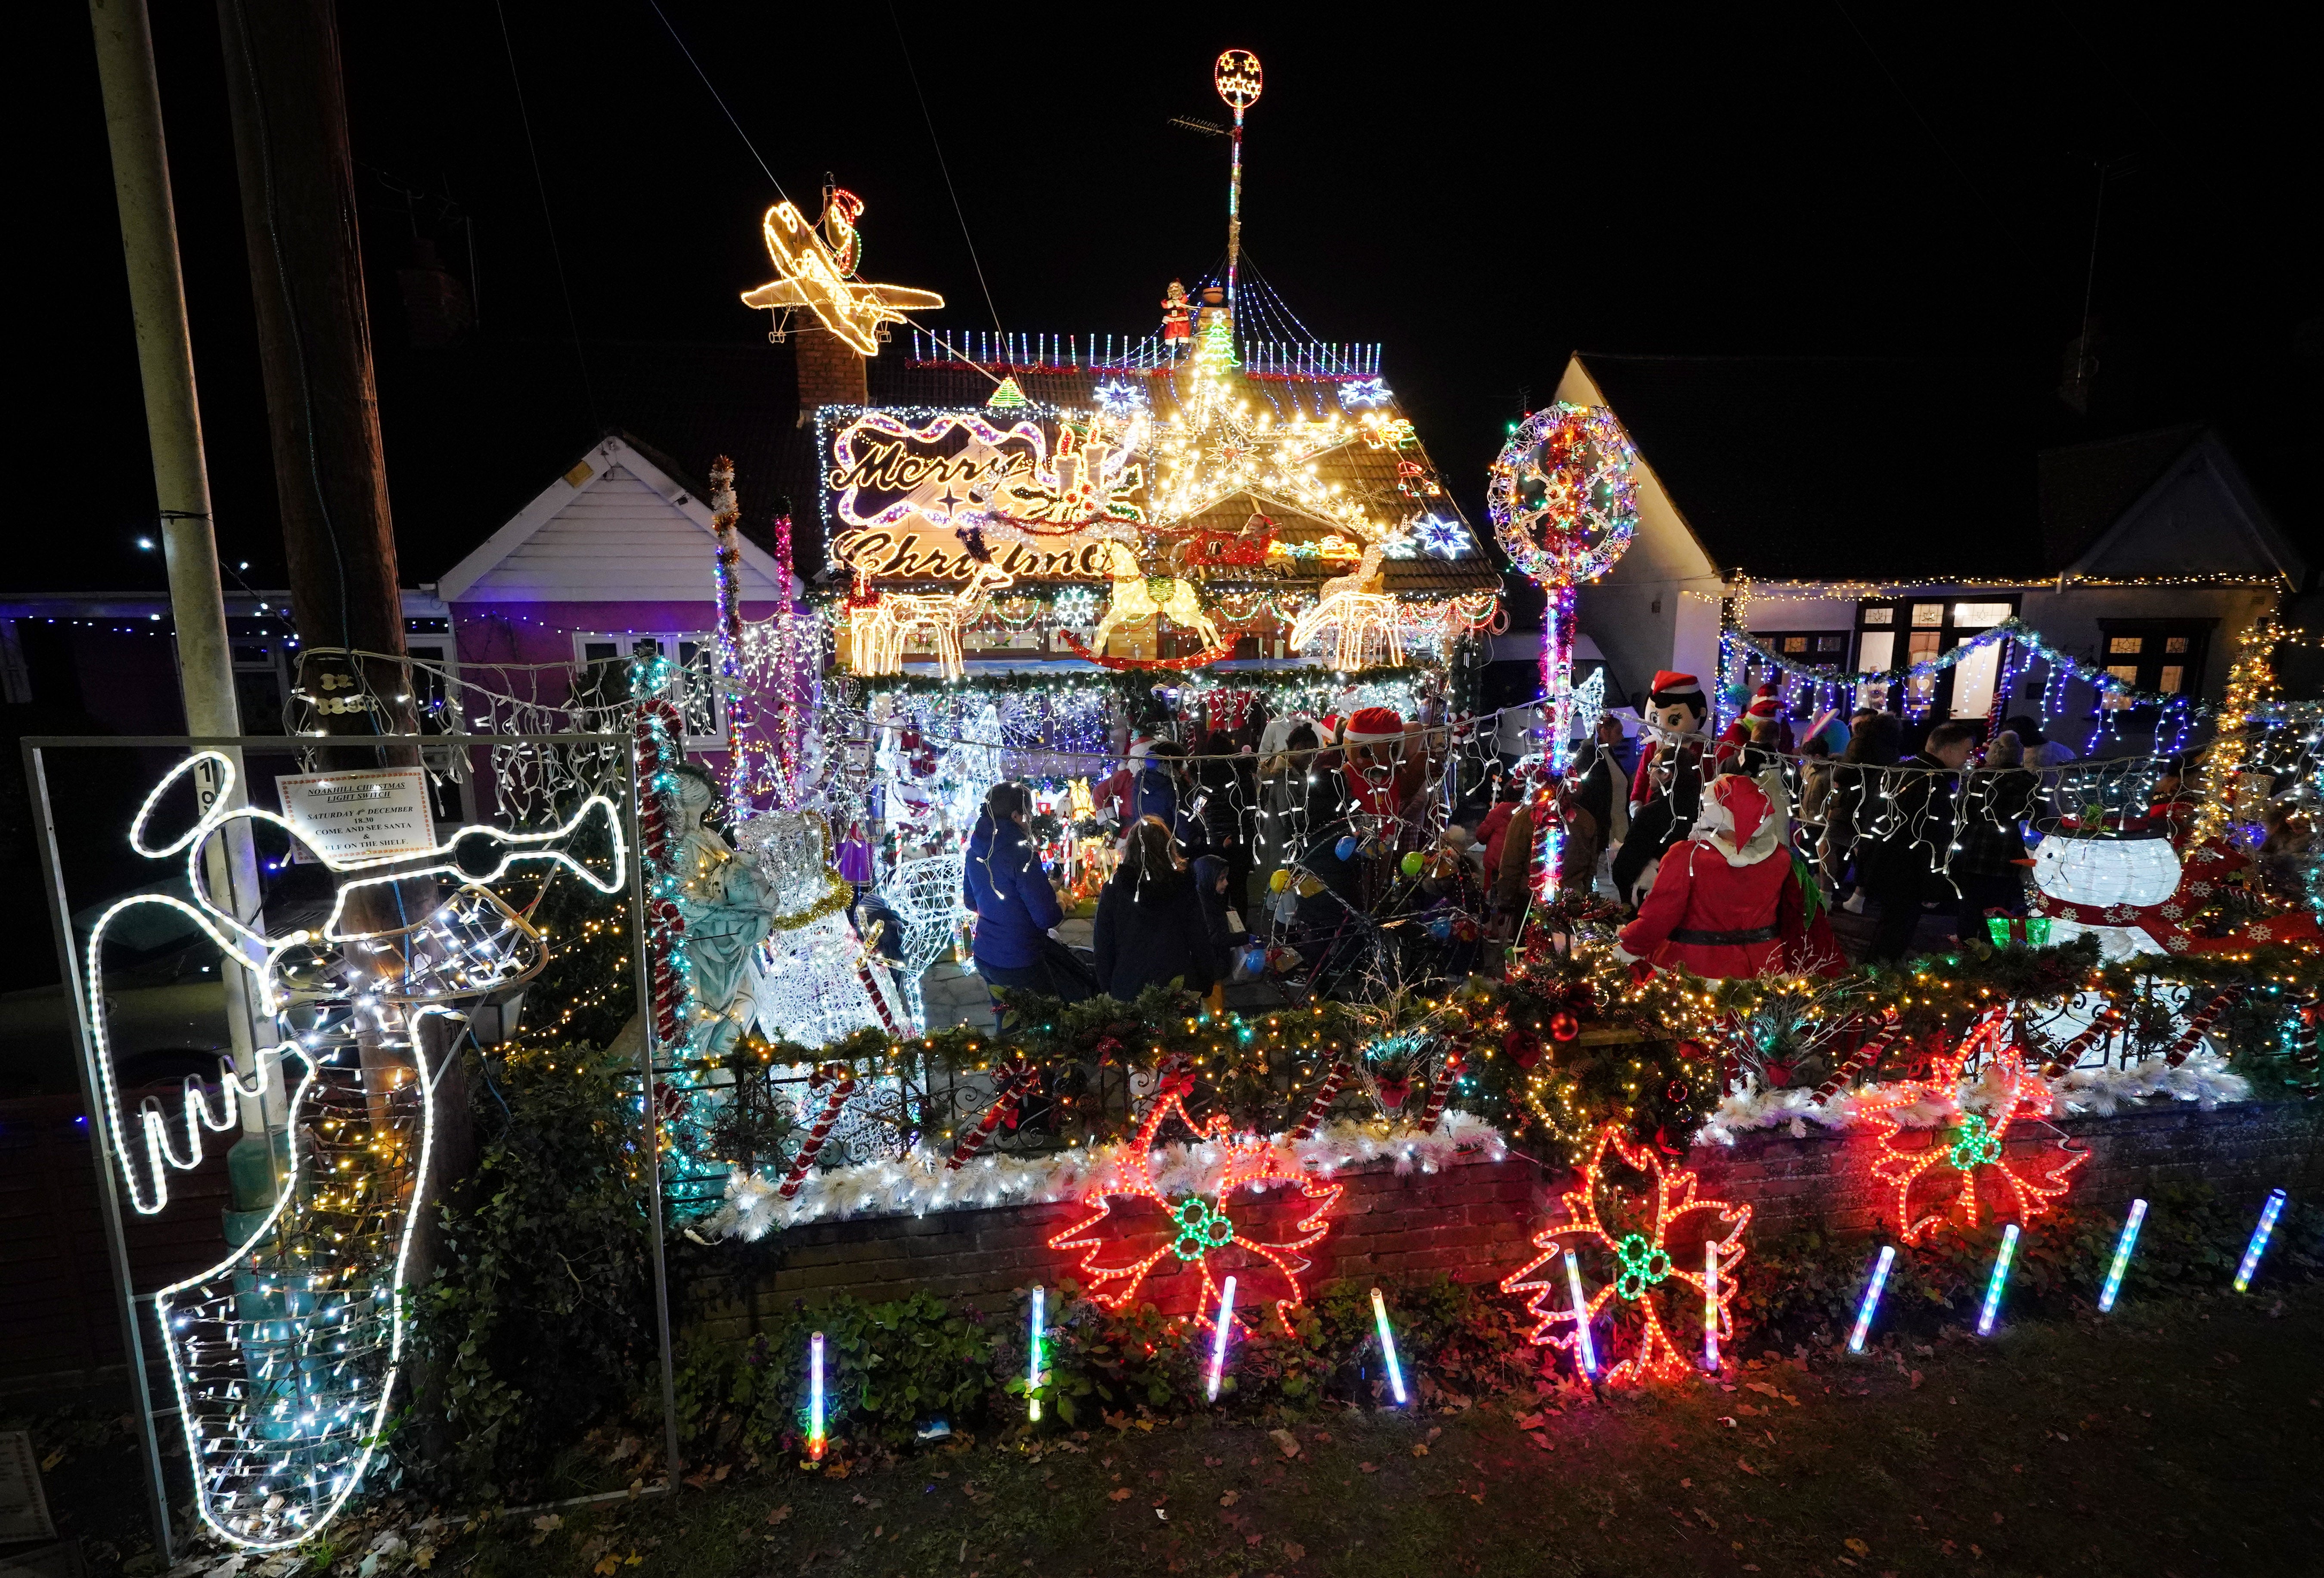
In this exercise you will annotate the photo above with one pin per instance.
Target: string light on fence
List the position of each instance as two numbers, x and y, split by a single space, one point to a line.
2258 1245
1387 1345
1224 1325
2122 1248
1871 1299
2000 1275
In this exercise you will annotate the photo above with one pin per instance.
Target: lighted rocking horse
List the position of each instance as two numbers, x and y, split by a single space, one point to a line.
1137 595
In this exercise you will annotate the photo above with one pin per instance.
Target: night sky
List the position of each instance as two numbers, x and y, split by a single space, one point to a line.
1483 194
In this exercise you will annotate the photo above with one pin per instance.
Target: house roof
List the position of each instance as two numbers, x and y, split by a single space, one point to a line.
1804 468
615 527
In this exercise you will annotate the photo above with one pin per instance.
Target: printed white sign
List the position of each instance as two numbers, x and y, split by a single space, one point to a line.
374 814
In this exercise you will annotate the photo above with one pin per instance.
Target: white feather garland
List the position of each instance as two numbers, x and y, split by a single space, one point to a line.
2203 1078
920 1183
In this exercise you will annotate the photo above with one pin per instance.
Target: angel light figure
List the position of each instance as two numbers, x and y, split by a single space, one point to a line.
283 1355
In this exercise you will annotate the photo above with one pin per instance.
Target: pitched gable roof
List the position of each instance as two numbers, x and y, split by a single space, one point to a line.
615 528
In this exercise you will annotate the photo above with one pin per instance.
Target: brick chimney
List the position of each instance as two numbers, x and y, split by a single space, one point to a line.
830 373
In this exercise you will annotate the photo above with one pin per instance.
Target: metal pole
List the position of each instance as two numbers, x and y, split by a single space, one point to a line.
649 1120
108 1181
173 425
1234 214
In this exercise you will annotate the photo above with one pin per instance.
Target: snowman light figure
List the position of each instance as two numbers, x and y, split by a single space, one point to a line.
2117 875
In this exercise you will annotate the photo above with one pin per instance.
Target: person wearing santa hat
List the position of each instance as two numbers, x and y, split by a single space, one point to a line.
1667 786
1766 708
1714 907
1373 737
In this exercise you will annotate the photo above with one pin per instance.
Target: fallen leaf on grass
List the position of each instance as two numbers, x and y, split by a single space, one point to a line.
608 1567
1540 1442
1212 1463
779 1513
1286 1441
1118 1493
1858 1546
1292 1551
1533 1421
1917 1378
1708 1521
1252 1539
1230 1497
1745 1465
547 1521
1420 1449
1368 1468
1434 1431
1686 1484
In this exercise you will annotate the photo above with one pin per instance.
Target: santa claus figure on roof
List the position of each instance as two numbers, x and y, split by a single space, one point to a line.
1728 900
1667 787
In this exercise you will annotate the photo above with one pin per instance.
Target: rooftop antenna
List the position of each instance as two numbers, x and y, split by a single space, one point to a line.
1237 80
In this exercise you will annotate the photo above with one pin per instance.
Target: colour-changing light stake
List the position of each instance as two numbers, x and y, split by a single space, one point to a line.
1033 1364
1387 1344
1219 1339
1711 1304
2000 1276
2258 1245
2122 1248
1584 1347
1871 1299
815 1398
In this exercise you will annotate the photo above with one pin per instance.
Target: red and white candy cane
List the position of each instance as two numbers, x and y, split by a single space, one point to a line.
2109 1020
1341 1071
1856 1061
2193 1033
813 1145
1014 1088
1447 1071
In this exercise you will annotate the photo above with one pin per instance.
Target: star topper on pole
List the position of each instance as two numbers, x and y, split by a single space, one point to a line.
818 272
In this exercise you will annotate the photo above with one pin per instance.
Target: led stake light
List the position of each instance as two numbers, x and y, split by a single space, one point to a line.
1219 1339
815 1398
1387 1345
2121 1248
1871 1299
2258 1245
1583 1347
2000 1276
1033 1364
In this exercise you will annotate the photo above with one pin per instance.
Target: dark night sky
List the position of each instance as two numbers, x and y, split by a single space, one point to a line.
1483 194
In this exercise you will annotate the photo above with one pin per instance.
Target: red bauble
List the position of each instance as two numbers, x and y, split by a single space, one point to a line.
1676 1092
1564 1027
1523 1047
1693 1051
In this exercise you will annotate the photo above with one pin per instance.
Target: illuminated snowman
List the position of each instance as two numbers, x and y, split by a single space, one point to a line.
2117 875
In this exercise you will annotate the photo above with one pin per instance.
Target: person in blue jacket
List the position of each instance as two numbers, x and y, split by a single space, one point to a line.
1014 904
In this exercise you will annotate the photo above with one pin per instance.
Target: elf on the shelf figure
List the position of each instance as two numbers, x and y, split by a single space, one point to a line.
1728 902
1178 315
1667 786
1765 708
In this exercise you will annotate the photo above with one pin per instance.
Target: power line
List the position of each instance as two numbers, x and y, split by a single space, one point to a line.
720 103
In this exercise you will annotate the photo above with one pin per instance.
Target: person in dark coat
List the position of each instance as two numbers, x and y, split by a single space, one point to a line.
1014 905
1876 739
1988 866
1220 913
1164 794
1150 928
1915 833
1228 789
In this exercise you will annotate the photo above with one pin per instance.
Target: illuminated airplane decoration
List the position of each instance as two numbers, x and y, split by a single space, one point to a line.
818 272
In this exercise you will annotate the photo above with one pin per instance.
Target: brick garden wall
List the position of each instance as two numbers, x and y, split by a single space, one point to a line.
1474 1220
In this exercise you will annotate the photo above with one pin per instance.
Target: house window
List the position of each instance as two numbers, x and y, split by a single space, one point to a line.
1929 630
2160 656
697 692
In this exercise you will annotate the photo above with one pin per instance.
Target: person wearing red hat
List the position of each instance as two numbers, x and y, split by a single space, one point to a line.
1714 906
1372 737
1667 785
1766 710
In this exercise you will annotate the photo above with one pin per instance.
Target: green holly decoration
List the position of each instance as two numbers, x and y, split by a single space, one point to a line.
1202 1228
1643 1265
1975 1143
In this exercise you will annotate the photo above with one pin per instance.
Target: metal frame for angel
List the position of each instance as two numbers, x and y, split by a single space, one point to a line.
283 1355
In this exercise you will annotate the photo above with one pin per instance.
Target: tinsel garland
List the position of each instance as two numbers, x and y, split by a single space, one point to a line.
658 730
923 1183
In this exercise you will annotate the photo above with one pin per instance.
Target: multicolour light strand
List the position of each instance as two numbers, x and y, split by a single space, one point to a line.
815 1437
1221 1327
2258 1245
2122 1248
2000 1275
1387 1345
1871 1299
1033 1359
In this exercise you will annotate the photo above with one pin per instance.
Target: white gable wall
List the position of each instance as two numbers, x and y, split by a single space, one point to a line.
2199 513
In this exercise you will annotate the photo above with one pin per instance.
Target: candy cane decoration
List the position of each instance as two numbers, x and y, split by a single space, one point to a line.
2193 1033
813 1146
1447 1072
1340 1072
1014 1089
665 941
1855 1062
2109 1020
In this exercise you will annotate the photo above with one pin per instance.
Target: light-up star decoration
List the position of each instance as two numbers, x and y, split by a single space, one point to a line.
818 272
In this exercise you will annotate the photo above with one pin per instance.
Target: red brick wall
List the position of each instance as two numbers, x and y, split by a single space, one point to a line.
1475 1220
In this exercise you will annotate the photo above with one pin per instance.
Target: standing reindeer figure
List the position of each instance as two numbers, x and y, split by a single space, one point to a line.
284 1354
1134 598
882 630
1358 615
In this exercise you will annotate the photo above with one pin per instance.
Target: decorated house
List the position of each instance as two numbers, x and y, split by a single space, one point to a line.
1869 516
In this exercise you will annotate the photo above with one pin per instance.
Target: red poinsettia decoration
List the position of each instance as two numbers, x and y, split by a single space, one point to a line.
1967 1144
1641 1236
1203 1226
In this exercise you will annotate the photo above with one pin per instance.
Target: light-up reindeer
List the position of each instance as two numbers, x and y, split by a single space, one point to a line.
882 630
284 1354
1361 618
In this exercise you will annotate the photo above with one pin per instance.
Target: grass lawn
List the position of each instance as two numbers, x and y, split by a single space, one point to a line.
2181 1438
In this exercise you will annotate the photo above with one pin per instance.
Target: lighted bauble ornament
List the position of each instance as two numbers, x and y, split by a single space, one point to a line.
1346 848
1523 1047
1238 78
1564 1027
1564 496
1280 881
1412 865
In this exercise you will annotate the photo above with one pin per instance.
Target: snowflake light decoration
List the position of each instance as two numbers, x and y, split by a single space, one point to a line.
1967 1143
1445 539
1400 544
1075 606
1120 400
1358 394
1635 1227
1201 1229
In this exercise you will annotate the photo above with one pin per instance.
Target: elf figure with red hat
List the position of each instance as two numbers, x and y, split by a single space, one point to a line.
1766 710
1718 901
1667 787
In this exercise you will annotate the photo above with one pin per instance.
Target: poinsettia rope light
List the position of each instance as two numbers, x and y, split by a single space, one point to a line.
1202 1228
1638 1240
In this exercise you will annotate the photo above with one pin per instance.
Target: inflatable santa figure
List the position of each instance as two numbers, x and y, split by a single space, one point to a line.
1667 786
1714 906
